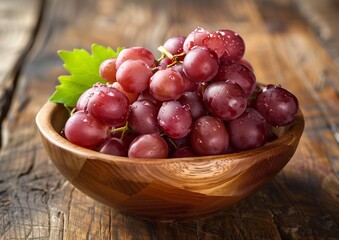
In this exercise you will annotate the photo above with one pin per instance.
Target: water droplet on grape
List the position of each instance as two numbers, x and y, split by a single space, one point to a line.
146 103
176 117
111 94
101 94
186 107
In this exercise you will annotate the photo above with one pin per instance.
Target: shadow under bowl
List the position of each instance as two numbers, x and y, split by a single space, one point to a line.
165 189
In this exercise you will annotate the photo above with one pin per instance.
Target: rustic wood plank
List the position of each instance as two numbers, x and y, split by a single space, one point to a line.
18 28
300 203
15 31
322 17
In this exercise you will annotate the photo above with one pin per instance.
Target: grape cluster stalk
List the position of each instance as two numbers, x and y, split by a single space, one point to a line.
200 97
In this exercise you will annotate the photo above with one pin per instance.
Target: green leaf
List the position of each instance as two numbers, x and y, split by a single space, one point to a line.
84 72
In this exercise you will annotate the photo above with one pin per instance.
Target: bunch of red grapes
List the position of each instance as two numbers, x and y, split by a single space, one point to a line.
199 98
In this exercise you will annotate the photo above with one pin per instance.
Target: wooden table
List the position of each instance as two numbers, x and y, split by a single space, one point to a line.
294 43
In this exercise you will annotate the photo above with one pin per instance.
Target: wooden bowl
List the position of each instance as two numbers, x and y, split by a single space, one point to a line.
166 189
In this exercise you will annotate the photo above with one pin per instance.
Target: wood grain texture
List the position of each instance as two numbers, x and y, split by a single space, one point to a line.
286 43
17 35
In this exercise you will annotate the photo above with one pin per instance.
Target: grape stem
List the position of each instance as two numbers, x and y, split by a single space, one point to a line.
154 69
123 129
166 53
172 64
70 111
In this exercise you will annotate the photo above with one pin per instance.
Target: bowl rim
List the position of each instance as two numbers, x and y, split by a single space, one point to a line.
45 114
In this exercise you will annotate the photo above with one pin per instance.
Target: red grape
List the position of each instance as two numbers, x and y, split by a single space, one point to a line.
143 117
277 105
225 100
148 146
109 106
203 38
196 105
83 130
175 119
134 76
86 95
108 70
166 85
195 38
174 45
248 131
234 46
209 136
237 73
200 64
215 42
136 53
